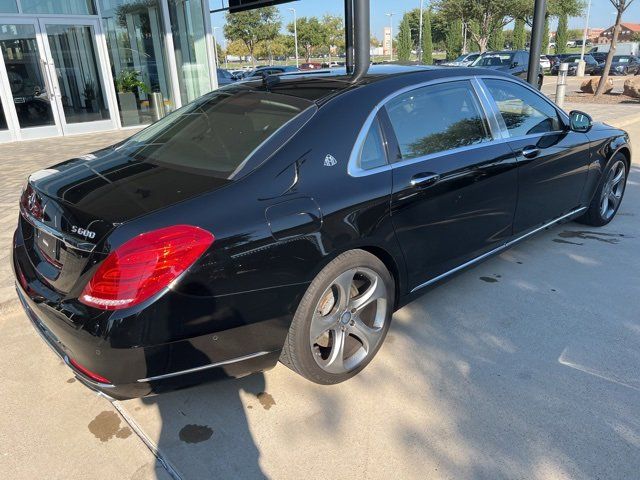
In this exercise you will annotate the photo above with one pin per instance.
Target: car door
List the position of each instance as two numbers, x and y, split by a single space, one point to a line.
454 185
520 65
553 161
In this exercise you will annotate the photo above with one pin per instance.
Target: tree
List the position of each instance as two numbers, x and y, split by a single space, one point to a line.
454 40
311 35
334 33
253 26
374 42
237 48
427 41
405 44
496 41
562 34
621 7
519 35
490 15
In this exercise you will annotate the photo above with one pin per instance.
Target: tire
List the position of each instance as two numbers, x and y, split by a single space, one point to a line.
332 336
611 188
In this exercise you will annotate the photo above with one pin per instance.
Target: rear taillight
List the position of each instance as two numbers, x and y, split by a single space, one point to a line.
144 266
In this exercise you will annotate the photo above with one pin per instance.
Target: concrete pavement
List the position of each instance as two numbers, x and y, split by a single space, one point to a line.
526 366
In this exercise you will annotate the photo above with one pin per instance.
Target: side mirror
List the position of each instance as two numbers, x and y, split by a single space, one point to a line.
514 64
580 121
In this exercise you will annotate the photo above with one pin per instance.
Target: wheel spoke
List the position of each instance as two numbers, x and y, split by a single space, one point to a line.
344 283
335 362
619 176
375 291
614 200
321 325
367 335
604 205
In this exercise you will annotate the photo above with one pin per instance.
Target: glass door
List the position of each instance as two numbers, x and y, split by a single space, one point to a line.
32 109
55 69
74 61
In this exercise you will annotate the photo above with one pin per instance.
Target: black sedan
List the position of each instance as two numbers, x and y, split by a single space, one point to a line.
288 219
590 64
620 65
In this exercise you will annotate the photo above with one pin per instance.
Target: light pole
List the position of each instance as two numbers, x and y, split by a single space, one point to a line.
295 33
420 34
581 63
215 46
390 15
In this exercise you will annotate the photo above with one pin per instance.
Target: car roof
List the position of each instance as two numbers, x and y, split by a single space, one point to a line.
321 85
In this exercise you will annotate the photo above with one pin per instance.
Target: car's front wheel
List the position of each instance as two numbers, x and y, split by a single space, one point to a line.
342 319
606 201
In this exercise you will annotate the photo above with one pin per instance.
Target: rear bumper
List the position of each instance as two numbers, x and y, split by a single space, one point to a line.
175 342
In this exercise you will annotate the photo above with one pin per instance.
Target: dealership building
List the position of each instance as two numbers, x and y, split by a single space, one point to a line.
80 66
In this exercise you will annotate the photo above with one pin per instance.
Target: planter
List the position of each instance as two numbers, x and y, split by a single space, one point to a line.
128 109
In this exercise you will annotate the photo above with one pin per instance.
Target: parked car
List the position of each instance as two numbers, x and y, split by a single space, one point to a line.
231 234
545 63
515 62
572 60
556 59
463 60
599 57
310 66
620 65
224 77
261 72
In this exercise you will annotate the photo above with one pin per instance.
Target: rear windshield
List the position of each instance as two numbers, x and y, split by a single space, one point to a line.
217 133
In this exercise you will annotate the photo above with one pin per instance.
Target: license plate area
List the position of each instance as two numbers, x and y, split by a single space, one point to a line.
49 247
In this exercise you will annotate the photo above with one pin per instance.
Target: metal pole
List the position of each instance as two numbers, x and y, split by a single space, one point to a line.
539 12
390 15
420 34
295 34
348 35
215 46
586 31
562 84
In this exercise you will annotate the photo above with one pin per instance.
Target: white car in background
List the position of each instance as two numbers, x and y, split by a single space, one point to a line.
545 63
463 60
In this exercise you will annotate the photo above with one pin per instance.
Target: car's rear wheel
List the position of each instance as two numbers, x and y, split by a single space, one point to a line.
342 319
608 197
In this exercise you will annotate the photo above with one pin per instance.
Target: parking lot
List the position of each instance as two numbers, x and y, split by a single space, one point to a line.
527 366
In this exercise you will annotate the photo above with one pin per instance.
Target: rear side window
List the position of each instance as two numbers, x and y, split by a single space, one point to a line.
523 112
217 133
437 118
373 152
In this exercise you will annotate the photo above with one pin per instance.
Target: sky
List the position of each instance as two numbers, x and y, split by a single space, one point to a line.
602 13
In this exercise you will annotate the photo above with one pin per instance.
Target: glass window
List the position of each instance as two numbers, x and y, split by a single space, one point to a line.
134 32
437 118
216 133
501 59
190 44
373 154
8 6
78 73
523 112
69 7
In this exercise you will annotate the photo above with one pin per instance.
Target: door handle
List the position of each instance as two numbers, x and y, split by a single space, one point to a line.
530 152
423 180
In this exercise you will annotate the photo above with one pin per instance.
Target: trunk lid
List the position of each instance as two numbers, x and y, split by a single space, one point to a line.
66 211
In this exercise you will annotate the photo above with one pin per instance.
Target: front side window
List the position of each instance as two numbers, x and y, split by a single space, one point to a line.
437 118
523 112
494 60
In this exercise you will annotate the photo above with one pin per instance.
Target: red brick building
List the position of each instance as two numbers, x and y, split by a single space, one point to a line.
626 34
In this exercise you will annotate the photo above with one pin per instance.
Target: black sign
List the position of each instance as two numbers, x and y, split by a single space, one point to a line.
241 5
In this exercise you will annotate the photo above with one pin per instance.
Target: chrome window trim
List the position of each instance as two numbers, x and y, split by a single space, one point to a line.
498 249
355 171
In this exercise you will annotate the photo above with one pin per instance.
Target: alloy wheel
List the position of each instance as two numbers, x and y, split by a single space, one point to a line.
612 190
348 321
